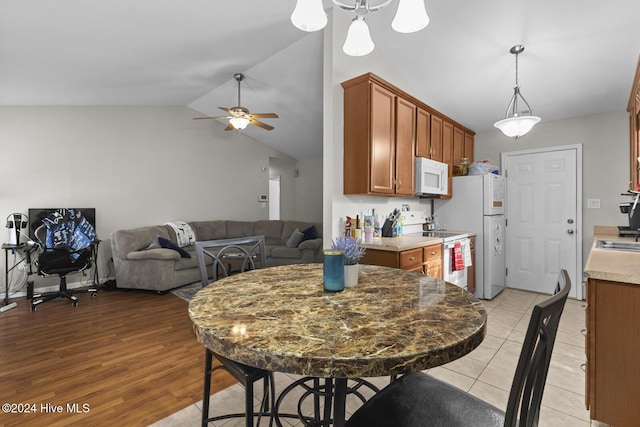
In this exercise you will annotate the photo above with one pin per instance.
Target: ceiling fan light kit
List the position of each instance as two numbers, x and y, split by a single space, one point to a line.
411 16
516 122
240 117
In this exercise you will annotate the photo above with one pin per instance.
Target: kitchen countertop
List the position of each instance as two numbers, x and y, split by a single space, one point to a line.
612 265
405 242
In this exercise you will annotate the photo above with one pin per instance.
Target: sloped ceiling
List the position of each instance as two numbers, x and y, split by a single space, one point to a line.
580 58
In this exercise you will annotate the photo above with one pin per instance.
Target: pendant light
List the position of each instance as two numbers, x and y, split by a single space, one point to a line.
411 16
517 122
358 42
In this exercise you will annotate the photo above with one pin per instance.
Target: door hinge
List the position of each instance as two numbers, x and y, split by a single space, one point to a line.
506 271
506 222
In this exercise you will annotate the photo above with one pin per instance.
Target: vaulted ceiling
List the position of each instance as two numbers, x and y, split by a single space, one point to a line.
580 58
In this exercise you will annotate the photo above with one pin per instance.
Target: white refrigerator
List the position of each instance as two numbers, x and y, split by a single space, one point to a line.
477 206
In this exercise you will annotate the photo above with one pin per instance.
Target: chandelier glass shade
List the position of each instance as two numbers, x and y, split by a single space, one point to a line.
411 16
517 121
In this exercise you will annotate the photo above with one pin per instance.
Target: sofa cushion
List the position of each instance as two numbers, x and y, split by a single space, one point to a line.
154 254
240 229
209 230
295 239
271 230
285 252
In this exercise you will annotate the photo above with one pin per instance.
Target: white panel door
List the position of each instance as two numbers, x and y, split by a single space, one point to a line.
542 219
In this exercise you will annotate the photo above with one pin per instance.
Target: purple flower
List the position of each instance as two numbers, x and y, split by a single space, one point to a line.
351 247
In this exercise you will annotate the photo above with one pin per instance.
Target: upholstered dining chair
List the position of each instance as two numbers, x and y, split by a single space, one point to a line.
418 399
249 253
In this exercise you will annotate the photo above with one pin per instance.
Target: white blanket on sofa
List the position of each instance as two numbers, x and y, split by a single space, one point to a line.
184 233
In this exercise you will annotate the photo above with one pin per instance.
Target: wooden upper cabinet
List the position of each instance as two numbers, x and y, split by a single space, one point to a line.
423 133
385 129
468 147
634 131
447 154
458 149
383 147
436 138
405 139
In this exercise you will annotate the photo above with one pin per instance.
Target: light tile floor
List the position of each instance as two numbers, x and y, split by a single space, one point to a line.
486 372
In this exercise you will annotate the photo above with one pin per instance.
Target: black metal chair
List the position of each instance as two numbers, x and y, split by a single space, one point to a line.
249 253
61 261
418 399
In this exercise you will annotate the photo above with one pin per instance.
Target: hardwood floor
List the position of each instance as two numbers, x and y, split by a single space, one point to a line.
129 357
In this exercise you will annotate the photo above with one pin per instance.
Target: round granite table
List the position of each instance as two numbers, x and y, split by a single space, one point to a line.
393 322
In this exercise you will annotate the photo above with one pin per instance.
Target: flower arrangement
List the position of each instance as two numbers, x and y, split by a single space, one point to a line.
351 247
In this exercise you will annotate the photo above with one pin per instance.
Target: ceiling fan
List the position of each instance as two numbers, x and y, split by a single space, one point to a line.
239 117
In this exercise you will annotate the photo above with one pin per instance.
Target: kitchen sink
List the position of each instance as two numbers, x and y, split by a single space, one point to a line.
618 246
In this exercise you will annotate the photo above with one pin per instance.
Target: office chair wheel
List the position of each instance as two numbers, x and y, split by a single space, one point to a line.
94 294
34 308
76 303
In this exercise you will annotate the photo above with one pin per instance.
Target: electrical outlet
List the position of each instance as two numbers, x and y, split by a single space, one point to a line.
593 203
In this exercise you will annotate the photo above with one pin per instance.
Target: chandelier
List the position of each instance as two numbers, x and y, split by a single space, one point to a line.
411 16
517 122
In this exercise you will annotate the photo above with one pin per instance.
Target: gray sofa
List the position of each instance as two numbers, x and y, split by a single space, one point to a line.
161 269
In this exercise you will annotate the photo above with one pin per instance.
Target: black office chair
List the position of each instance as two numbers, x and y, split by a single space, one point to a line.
61 260
418 399
247 253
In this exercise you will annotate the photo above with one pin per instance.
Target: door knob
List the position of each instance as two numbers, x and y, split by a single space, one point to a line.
569 221
570 231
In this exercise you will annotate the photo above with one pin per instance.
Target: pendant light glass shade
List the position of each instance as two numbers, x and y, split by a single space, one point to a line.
239 122
517 122
411 16
309 15
358 42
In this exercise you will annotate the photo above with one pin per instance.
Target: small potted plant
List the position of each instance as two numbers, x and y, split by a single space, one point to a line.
352 254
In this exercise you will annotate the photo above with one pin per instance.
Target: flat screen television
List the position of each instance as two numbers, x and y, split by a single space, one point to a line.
36 215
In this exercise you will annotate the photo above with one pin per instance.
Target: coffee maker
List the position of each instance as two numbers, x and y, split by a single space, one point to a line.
632 209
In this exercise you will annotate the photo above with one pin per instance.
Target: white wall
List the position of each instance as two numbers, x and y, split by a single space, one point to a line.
605 151
340 67
136 165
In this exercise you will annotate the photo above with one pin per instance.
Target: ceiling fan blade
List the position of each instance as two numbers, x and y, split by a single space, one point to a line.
217 117
264 115
260 124
229 127
227 110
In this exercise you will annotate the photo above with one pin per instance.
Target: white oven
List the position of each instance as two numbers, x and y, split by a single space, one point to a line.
449 272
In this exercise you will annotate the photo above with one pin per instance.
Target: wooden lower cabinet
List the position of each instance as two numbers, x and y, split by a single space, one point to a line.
426 259
613 352
433 261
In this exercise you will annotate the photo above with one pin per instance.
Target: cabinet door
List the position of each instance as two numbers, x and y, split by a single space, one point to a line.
458 149
423 134
405 147
468 147
433 261
382 140
447 154
436 138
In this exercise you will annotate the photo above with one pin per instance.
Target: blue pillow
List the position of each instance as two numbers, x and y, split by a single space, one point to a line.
168 244
309 233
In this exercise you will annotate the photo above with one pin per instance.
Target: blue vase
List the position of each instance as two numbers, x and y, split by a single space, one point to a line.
333 270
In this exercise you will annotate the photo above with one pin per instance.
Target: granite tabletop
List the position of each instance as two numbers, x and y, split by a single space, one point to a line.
392 322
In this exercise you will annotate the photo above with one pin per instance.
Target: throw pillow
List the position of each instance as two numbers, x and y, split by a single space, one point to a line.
168 244
310 233
295 239
155 243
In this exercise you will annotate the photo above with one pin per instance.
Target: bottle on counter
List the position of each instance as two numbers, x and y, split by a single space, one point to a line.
399 226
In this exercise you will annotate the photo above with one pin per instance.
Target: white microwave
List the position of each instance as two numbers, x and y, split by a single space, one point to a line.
432 177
